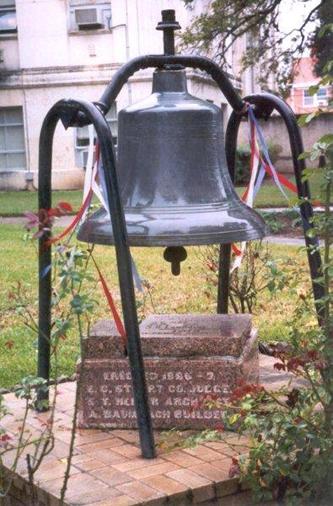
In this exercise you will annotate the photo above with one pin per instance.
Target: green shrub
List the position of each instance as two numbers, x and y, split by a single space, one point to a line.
243 157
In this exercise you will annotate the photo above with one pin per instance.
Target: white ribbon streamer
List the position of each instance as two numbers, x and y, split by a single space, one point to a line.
94 171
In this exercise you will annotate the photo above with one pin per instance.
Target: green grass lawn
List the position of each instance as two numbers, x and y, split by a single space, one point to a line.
186 293
16 203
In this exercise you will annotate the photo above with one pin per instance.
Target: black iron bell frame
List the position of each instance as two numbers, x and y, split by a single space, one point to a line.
76 113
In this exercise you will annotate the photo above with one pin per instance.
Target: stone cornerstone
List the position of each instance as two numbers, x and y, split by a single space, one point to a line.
189 360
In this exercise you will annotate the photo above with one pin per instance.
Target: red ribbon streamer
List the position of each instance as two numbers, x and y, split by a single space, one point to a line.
236 250
283 180
82 209
75 221
112 306
71 226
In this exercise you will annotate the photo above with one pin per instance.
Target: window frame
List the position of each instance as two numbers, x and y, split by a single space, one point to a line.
5 125
315 97
308 100
325 97
8 7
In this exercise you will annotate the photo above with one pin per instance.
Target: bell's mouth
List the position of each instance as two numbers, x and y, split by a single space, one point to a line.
211 225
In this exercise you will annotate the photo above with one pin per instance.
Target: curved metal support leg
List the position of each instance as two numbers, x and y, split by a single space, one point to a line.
44 257
264 104
65 110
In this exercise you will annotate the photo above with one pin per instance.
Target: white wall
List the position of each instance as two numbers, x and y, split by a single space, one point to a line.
42 32
57 63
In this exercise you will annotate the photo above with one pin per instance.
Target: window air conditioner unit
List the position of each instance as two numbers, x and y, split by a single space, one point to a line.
88 19
322 102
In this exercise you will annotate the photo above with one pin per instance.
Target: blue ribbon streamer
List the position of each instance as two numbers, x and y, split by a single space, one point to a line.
45 271
264 149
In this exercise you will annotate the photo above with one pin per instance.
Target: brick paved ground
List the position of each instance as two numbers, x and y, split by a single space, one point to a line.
107 468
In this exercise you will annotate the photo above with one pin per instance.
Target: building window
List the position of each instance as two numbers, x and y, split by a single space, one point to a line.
307 98
322 96
8 22
318 99
82 137
12 149
89 15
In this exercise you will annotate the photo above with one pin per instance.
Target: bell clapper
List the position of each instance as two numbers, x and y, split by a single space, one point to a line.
175 255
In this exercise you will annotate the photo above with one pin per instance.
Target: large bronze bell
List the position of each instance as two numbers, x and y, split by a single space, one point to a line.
173 177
